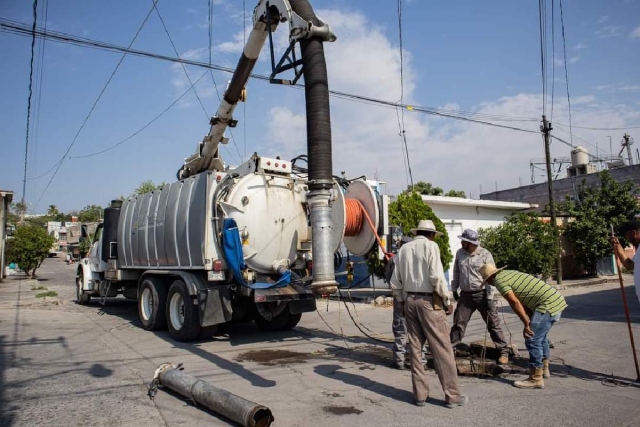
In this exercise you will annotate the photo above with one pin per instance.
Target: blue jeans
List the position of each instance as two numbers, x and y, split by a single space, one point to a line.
538 344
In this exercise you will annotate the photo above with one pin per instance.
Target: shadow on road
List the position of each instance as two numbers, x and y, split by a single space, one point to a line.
336 372
366 351
604 306
6 413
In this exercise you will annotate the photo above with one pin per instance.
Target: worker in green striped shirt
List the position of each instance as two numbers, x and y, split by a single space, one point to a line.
538 305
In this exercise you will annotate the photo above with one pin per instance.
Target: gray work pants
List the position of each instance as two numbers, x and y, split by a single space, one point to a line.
426 324
401 351
468 303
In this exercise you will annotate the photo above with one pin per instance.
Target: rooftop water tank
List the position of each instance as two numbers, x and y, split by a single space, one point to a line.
579 157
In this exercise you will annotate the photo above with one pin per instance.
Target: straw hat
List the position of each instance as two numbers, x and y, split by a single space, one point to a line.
426 225
489 270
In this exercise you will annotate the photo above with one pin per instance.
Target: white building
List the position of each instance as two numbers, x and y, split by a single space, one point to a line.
459 214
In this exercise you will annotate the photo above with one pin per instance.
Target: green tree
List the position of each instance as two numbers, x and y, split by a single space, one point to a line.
522 243
90 213
426 188
406 211
53 211
147 187
456 193
29 246
595 210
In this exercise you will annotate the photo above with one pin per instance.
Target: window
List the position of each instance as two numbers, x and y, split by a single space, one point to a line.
63 237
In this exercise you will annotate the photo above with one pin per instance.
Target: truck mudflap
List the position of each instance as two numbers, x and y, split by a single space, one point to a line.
300 300
214 305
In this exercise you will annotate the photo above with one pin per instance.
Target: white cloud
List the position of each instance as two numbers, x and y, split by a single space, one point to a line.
618 87
580 46
635 34
603 19
574 59
451 154
608 31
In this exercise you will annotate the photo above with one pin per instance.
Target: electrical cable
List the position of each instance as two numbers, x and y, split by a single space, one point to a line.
566 72
553 56
33 54
104 88
541 15
38 100
19 29
401 127
215 85
175 50
143 127
386 341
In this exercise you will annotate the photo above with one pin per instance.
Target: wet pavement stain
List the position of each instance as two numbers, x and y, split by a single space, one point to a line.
341 410
273 357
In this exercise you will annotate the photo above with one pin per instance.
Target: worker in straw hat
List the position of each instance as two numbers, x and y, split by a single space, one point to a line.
418 283
538 305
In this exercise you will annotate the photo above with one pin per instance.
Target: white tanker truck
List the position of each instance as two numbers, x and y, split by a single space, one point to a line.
254 242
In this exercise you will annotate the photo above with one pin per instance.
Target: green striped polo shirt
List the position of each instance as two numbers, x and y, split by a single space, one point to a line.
533 293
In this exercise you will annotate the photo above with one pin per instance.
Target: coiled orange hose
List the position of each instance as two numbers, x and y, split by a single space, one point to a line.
354 221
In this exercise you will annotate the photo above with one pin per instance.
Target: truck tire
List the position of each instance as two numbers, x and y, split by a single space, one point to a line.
183 319
293 321
152 303
283 321
82 297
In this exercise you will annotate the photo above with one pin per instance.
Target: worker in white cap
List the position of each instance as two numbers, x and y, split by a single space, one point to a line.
471 295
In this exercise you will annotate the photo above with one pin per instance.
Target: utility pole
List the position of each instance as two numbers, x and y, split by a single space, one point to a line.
546 128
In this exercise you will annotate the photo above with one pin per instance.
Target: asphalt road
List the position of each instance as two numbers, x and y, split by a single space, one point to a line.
65 364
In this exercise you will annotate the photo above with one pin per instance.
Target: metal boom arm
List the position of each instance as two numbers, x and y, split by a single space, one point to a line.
266 17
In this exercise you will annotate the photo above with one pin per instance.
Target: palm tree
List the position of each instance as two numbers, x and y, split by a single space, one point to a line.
53 211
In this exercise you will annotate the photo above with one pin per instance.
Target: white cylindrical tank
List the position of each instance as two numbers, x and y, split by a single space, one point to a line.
579 157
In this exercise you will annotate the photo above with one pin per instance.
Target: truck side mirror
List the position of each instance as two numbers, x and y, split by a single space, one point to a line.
84 233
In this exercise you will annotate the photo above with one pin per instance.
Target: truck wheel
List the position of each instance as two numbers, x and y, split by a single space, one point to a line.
277 323
82 297
293 321
182 316
152 303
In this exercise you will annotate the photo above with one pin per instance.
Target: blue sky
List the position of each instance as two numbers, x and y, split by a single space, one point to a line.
473 56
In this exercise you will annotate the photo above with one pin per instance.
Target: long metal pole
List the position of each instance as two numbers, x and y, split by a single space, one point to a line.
235 408
626 310
546 129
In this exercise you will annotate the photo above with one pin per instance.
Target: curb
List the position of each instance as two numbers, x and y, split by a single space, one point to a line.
593 282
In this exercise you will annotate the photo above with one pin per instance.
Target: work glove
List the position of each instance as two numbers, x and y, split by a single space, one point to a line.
456 295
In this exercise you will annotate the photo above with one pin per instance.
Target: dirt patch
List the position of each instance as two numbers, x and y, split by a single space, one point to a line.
364 355
341 410
273 357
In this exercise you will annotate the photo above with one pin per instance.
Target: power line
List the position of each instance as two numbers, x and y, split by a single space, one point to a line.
566 73
590 128
401 127
553 56
458 115
26 144
542 25
96 103
38 99
244 104
210 22
19 29
143 127
175 50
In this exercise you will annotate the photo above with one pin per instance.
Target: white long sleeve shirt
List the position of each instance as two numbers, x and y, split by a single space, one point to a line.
419 269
